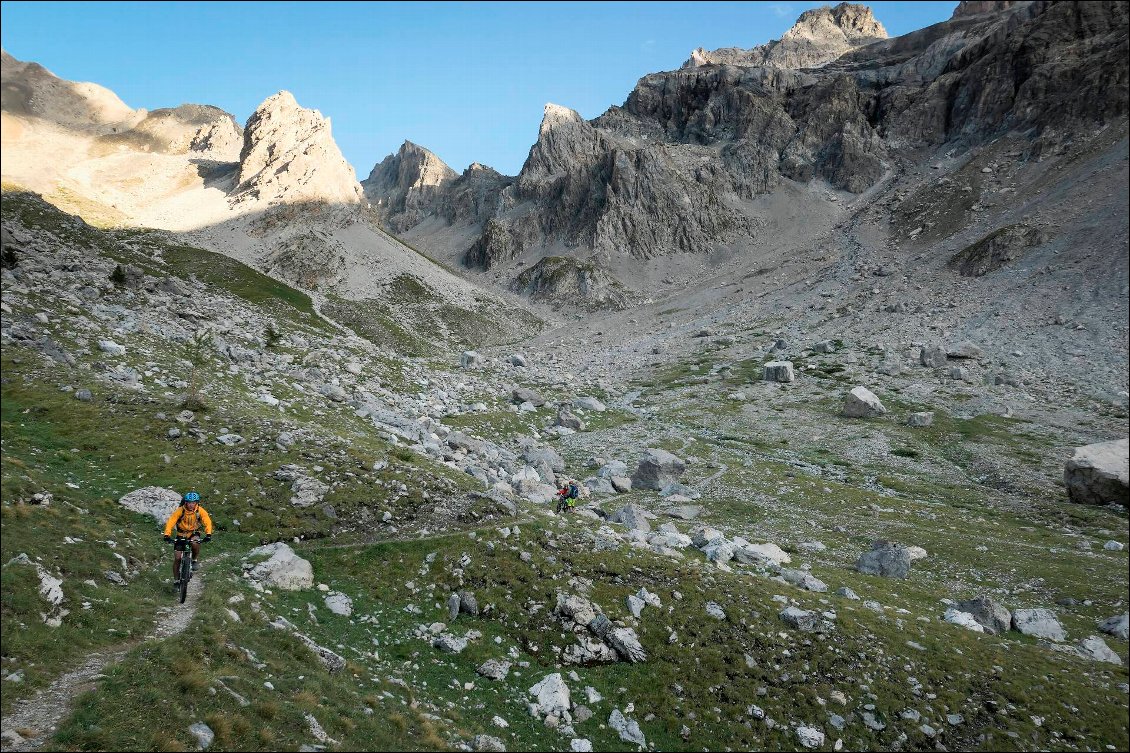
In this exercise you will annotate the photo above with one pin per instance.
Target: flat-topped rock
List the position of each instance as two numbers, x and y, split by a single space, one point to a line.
1099 474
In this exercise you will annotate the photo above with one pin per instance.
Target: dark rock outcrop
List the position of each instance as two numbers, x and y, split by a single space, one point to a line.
563 279
673 170
404 187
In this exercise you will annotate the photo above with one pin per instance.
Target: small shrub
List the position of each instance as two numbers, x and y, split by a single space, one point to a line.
199 351
165 741
192 683
272 336
267 709
118 276
220 726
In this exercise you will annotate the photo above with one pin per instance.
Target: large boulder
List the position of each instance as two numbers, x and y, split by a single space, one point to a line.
887 559
552 695
576 608
155 501
569 420
988 613
965 349
1095 648
1041 623
657 469
536 454
283 569
779 371
633 517
590 403
801 619
626 644
1118 626
933 356
627 728
526 395
1099 474
803 579
862 403
760 554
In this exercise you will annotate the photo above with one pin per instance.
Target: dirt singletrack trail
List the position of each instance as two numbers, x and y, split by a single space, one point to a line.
40 716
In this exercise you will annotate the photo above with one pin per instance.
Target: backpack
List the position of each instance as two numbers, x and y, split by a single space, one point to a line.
574 492
184 512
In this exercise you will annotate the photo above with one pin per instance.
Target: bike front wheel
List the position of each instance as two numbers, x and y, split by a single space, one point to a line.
185 575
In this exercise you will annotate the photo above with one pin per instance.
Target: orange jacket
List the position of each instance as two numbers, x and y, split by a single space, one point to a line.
188 523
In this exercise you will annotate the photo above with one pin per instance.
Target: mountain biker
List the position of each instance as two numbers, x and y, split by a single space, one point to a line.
188 519
568 494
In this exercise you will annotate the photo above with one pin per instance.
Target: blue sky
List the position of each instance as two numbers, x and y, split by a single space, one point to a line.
466 80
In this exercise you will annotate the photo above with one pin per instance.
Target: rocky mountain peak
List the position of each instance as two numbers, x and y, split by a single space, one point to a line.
476 167
818 37
855 24
422 167
556 115
404 186
289 155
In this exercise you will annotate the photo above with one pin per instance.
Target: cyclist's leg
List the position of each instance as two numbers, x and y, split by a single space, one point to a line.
195 553
176 565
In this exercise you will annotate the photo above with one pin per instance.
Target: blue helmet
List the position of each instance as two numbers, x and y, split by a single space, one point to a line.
191 497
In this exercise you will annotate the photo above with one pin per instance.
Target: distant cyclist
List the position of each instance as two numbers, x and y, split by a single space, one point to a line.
567 496
188 519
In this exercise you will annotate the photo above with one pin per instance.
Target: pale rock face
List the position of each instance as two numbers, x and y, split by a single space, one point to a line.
818 37
202 130
289 155
557 115
976 7
405 187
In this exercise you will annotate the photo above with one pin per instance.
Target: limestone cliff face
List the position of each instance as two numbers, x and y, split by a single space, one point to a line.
472 198
289 155
977 7
673 170
405 186
667 172
206 131
818 37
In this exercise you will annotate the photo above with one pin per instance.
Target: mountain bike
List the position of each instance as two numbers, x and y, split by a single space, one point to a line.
185 572
564 503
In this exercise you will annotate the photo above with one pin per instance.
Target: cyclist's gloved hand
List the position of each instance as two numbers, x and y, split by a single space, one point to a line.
168 539
207 538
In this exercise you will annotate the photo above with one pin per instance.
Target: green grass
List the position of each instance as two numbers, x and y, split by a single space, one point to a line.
707 687
254 287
